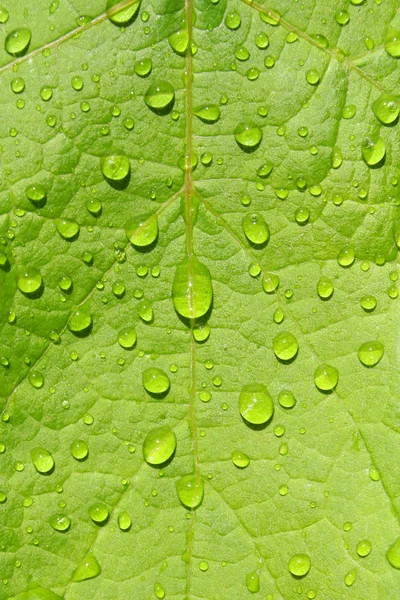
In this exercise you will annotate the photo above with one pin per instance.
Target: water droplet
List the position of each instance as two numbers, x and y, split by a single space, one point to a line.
159 445
255 229
392 43
336 158
159 591
29 280
364 547
285 346
368 303
160 97
393 554
80 320
264 170
385 109
342 17
286 399
248 136
145 311
370 353
124 15
36 379
124 521
192 289
65 283
143 67
324 288
270 282
208 113
127 338
88 569
179 41
350 577
201 332
60 522
346 256
302 214
17 41
373 151
326 377
190 490
67 228
155 381
253 582
3 15
312 77
79 449
142 231
42 460
46 93
240 459
271 17
233 20
17 85
115 167
299 565
255 404
349 111
98 512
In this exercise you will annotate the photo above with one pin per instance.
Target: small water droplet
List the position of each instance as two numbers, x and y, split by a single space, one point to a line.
88 569
127 338
253 582
142 231
17 85
155 381
160 97
29 280
60 522
79 449
36 379
346 256
270 282
393 554
179 41
240 459
67 228
80 320
248 136
255 229
364 547
145 311
285 346
385 109
159 445
286 399
192 289
255 404
143 67
98 512
233 20
190 490
326 377
3 15
342 17
324 288
312 77
392 43
124 521
42 460
159 591
299 565
370 353
208 113
115 167
373 151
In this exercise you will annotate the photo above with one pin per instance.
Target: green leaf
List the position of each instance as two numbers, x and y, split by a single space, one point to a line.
199 372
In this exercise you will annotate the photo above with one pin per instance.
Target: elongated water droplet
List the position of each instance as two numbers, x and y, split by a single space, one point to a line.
255 229
370 353
123 16
386 109
145 311
208 114
270 283
67 228
350 577
248 136
393 554
299 565
179 41
373 151
326 377
192 289
124 521
325 288
42 460
240 459
201 332
233 20
253 582
346 256
155 381
3 15
80 320
159 591
127 338
392 43
255 404
364 548
29 280
142 231
17 41
160 96
98 512
60 522
190 490
79 449
36 379
159 445
115 167
285 346
88 569
336 159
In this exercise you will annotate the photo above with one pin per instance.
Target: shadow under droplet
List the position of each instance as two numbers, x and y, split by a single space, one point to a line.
39 203
165 463
249 149
288 361
121 184
379 164
36 294
125 23
146 249
256 427
159 396
84 332
165 110
203 319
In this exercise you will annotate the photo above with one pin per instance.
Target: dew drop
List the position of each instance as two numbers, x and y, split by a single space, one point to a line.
346 256
17 85
88 569
208 113
160 96
286 399
350 577
124 15
253 582
36 379
80 320
67 228
299 565
115 167
127 338
270 283
393 554
233 20
179 41
392 43
124 521
159 591
29 280
255 229
364 547
326 377
368 303
192 289
143 67
79 449
373 151
60 522
190 490
312 77
145 311
201 332
385 109
17 41
255 404
98 512
42 460
370 353
3 15
159 445
336 158
240 459
248 136
285 346
143 231
324 288
155 381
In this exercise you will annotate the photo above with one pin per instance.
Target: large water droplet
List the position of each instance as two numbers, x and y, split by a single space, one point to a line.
80 320
159 445
67 228
233 20
270 282
385 109
123 16
42 460
240 459
285 346
253 582
286 399
115 167
346 256
127 338
160 97
17 41
255 404
326 377
392 43
208 114
155 381
88 569
190 489
29 280
98 512
364 548
60 522
143 231
324 288
192 289
179 41
299 565
248 136
373 151
350 577
124 521
393 554
79 449
255 229
370 353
